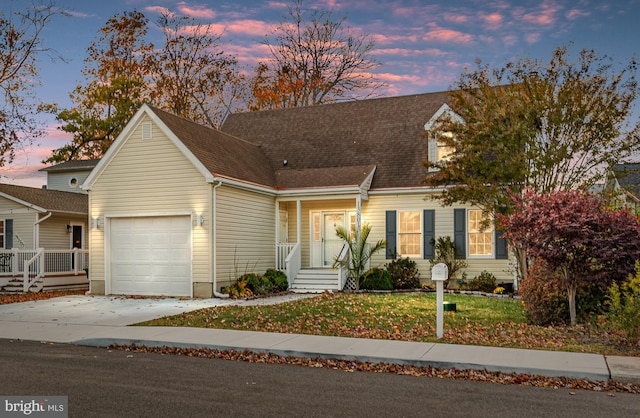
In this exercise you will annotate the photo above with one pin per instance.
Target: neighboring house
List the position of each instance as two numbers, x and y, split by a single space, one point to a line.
624 184
47 227
180 209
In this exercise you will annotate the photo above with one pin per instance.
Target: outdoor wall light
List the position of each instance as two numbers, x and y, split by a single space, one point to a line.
69 229
199 220
95 223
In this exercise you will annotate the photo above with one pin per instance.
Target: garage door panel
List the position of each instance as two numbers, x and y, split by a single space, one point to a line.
151 255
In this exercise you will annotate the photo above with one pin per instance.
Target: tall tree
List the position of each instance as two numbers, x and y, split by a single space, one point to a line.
544 126
576 236
194 78
553 126
20 44
116 71
313 61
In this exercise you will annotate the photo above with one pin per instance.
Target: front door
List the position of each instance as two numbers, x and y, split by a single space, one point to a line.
76 240
325 244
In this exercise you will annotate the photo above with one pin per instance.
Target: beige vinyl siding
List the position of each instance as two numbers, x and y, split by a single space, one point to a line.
150 177
245 233
22 223
374 210
53 232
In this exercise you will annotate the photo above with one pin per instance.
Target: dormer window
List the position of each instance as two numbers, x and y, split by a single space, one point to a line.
444 151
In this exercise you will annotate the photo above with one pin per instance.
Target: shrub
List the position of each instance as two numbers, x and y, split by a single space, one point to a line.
278 279
446 253
484 282
624 302
544 302
376 279
259 285
238 289
404 273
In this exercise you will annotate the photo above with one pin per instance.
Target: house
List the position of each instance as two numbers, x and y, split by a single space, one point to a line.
180 209
46 227
624 184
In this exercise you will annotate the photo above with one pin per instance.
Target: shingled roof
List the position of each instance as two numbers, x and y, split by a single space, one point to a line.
387 133
49 200
222 154
72 165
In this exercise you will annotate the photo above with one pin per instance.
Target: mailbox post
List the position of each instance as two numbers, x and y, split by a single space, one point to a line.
439 274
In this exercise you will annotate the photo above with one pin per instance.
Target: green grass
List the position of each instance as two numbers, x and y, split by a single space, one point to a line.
499 322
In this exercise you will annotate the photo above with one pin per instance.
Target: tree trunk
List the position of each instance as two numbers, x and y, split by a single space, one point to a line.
571 294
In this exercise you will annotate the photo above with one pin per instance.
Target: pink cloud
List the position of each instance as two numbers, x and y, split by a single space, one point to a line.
201 12
159 10
492 21
546 16
455 18
246 27
532 38
404 52
576 13
447 35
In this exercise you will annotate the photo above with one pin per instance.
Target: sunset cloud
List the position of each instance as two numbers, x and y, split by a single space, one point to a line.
447 36
492 21
197 11
576 14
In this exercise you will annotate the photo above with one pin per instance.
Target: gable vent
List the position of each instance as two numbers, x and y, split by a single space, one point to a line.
146 130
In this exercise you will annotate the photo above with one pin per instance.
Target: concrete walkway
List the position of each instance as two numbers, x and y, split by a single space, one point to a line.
102 320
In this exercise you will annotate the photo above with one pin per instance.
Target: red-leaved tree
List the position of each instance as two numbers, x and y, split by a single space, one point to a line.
576 236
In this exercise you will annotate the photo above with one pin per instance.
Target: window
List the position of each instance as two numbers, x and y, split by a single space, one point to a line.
480 235
409 234
73 182
1 233
444 151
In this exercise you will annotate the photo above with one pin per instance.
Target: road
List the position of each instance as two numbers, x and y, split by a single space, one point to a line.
112 383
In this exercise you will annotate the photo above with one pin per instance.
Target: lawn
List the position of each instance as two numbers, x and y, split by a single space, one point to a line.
499 322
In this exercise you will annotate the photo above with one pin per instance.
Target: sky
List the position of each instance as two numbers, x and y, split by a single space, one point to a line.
423 46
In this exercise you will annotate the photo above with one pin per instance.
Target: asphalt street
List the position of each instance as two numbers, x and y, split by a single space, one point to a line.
109 383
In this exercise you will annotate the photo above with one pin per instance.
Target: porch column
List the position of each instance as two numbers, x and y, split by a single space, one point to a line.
298 221
358 214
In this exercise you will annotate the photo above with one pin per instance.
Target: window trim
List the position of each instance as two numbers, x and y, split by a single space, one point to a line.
490 230
419 233
2 233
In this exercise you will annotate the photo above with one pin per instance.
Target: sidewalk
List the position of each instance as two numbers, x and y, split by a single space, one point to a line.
102 321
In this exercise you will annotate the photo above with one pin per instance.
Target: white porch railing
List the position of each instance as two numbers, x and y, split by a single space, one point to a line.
293 263
283 249
32 264
343 261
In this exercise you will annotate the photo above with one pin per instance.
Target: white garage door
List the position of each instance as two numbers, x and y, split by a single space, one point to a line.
151 256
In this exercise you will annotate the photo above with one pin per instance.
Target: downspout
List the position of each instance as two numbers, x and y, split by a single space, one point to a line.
36 231
214 238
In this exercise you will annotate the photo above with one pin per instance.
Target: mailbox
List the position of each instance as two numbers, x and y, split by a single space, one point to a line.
439 272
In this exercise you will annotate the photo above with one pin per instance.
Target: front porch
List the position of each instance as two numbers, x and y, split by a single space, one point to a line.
42 269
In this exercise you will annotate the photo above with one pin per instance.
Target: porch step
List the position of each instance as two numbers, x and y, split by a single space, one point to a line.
315 281
48 283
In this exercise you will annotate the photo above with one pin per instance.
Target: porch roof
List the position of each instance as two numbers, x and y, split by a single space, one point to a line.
350 176
46 200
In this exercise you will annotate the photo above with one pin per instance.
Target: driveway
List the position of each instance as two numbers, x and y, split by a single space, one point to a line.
115 310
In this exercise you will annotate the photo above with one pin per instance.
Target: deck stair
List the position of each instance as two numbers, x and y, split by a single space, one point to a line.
48 283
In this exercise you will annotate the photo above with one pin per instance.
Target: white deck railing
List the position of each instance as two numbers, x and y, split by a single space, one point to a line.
75 261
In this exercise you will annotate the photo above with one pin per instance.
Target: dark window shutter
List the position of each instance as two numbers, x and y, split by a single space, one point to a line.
429 233
460 232
8 233
390 228
501 246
